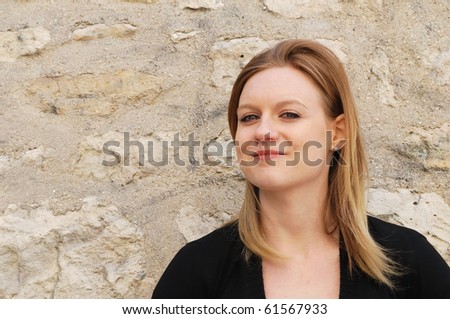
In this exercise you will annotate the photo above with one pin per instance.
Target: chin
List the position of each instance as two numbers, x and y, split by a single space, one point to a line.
267 182
278 180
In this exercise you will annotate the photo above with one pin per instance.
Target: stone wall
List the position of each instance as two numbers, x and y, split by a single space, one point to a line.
76 75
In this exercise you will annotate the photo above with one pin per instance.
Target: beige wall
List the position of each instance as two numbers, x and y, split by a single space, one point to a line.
77 74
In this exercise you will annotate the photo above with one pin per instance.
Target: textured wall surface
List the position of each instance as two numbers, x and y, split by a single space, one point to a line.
76 221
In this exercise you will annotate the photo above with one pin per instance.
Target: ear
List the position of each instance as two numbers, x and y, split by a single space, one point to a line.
340 133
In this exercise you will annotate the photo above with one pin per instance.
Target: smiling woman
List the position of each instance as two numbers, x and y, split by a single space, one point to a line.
282 110
302 231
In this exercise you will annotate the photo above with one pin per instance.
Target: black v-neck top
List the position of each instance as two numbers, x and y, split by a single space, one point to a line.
214 267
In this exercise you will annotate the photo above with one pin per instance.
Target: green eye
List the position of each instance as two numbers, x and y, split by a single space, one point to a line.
248 118
290 115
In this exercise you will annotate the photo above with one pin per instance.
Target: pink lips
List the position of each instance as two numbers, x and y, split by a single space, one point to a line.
267 154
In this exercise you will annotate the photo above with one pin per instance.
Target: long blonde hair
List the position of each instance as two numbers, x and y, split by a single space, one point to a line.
346 191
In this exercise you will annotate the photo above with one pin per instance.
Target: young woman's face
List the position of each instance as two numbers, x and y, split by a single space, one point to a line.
281 138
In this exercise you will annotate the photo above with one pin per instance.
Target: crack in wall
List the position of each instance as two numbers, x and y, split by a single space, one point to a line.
58 267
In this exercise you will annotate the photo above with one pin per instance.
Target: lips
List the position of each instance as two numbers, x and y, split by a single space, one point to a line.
267 153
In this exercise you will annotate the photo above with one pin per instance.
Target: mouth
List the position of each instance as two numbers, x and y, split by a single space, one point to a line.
267 154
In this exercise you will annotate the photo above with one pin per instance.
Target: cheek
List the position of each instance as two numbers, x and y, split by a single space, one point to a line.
244 150
315 152
241 141
312 144
315 132
238 152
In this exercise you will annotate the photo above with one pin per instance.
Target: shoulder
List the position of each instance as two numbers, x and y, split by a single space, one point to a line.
220 238
426 274
197 268
392 235
400 240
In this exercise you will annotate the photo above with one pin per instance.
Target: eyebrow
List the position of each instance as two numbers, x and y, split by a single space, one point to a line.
290 101
278 105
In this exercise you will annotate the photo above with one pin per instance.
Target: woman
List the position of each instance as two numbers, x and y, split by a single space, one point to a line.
302 231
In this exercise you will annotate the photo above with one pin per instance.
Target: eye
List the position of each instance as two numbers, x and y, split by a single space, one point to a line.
290 115
248 118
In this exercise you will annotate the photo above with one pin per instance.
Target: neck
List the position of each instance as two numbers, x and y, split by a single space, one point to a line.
293 220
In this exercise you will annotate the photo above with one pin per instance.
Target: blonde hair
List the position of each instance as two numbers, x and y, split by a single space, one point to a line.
346 193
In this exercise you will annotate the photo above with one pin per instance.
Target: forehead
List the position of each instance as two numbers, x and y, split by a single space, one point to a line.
279 83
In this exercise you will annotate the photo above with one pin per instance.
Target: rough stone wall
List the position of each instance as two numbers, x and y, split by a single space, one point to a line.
82 73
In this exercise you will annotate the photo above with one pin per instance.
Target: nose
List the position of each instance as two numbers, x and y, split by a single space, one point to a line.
266 130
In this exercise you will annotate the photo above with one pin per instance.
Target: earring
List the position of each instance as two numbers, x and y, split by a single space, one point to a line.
335 149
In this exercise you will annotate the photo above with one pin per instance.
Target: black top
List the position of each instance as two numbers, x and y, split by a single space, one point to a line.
214 267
